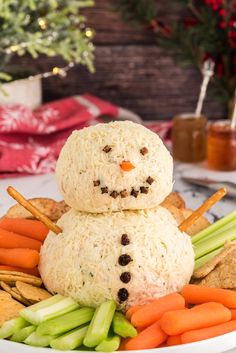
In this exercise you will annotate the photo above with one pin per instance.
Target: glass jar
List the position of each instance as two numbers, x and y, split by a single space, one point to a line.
221 146
189 137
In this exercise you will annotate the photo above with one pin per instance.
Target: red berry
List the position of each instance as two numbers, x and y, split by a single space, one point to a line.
222 24
222 12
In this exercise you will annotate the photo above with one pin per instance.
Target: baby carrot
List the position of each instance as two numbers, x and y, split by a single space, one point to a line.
209 332
10 240
28 227
151 337
127 166
233 312
132 310
153 311
195 294
30 271
174 340
201 316
26 258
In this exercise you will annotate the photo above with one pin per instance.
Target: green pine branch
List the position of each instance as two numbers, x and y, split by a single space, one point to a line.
49 27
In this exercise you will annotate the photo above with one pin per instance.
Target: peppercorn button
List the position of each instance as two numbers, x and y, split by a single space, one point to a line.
124 239
125 277
123 294
124 260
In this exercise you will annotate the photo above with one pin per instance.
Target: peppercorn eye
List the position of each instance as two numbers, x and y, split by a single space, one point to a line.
144 151
107 149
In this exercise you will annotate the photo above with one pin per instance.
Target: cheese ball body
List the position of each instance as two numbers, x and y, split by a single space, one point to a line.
113 167
128 256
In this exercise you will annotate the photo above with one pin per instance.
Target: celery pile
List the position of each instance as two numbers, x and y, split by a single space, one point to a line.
59 323
210 241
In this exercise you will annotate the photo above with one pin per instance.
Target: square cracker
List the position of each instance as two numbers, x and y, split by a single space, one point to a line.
32 293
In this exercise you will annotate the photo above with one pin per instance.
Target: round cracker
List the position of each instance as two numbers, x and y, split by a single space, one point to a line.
17 273
14 295
32 293
11 279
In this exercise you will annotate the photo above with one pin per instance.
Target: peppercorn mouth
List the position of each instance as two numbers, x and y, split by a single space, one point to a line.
125 193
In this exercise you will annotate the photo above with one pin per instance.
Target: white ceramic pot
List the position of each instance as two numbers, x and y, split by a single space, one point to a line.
26 92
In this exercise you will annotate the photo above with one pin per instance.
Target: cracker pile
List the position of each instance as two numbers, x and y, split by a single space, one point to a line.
17 291
175 204
220 271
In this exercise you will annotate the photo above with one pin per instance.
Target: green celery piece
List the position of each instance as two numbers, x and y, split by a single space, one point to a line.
110 344
48 309
66 322
122 327
202 260
21 335
37 340
70 340
100 324
214 243
11 326
215 234
214 227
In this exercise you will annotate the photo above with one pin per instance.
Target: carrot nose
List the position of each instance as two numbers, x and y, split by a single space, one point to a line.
127 166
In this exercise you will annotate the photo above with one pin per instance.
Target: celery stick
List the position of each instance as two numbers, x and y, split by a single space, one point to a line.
70 340
38 340
11 326
215 226
100 324
214 243
48 309
204 259
66 322
110 344
122 327
215 233
21 335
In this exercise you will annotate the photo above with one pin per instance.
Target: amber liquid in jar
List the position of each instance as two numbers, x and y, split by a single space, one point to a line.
221 146
189 138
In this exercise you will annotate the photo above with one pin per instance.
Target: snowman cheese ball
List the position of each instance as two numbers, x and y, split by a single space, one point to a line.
128 256
113 167
116 242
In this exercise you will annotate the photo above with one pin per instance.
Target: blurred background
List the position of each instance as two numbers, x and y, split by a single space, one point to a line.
67 64
134 70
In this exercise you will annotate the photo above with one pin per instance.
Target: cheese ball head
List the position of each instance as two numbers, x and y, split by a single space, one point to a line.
113 167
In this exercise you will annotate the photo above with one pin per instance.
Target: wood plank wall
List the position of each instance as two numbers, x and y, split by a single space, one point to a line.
131 70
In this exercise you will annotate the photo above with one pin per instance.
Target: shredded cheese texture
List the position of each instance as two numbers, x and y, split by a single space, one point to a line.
84 161
82 261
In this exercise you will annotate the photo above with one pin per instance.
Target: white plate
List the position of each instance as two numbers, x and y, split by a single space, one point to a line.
218 344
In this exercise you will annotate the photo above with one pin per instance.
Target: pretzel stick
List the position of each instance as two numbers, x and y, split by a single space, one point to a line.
33 210
202 209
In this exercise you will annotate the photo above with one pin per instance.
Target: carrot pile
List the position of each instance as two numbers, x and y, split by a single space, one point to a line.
20 242
196 314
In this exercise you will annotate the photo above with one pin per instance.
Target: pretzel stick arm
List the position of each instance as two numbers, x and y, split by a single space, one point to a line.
33 210
202 209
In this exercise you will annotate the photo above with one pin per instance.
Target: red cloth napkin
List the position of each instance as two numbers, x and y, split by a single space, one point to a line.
30 141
